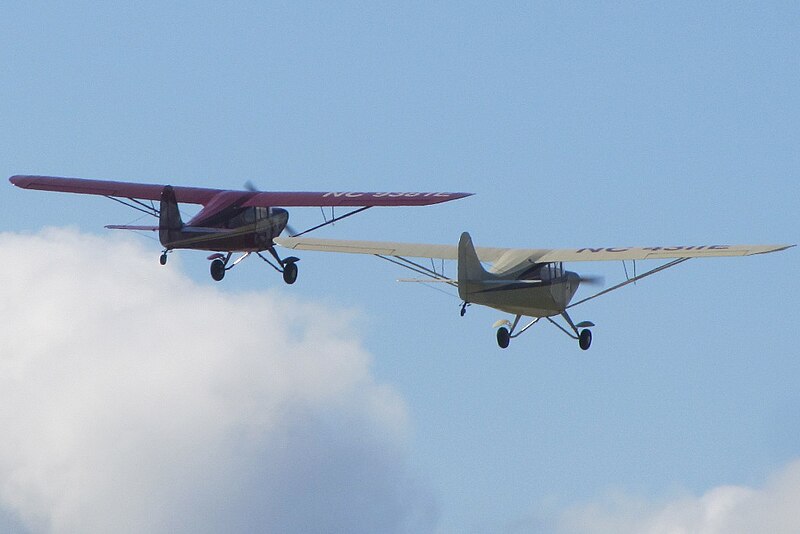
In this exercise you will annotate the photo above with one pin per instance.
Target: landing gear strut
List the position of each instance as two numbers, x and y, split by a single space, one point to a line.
505 335
584 336
288 266
219 264
506 331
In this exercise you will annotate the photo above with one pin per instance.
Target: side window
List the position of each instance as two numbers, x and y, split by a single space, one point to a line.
249 216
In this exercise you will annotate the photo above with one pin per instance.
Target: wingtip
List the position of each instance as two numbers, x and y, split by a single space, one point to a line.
22 180
438 198
772 248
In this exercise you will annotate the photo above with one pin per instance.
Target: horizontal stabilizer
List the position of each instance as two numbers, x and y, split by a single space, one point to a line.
200 230
505 282
131 227
428 280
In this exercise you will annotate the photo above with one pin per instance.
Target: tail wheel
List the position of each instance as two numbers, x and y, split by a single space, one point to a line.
163 259
218 269
585 339
290 272
503 337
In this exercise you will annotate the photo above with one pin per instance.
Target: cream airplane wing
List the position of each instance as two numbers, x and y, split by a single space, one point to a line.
502 257
516 256
385 248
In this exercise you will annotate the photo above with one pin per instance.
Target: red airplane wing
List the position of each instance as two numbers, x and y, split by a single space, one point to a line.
204 196
289 199
191 195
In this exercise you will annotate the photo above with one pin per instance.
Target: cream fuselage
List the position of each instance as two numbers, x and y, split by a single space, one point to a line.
539 296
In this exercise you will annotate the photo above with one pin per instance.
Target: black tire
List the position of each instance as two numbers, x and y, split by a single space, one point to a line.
163 259
290 273
218 269
585 339
503 337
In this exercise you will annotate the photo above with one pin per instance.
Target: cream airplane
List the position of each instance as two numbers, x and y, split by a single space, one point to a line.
523 282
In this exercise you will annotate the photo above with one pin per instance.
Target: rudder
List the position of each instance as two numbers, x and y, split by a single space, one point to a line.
469 266
169 220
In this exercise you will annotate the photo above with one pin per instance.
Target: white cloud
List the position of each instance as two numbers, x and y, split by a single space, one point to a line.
134 400
722 510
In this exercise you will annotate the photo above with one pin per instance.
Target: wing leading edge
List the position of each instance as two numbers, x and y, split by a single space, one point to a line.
201 195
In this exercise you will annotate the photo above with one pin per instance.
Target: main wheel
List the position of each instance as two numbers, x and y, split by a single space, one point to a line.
503 337
290 272
163 259
585 339
218 269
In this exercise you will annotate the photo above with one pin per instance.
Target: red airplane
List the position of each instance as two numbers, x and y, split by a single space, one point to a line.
230 221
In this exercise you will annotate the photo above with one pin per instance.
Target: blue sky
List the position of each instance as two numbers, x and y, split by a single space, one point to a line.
576 125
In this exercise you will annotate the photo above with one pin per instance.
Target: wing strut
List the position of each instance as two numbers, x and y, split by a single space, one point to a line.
137 205
625 267
327 222
660 268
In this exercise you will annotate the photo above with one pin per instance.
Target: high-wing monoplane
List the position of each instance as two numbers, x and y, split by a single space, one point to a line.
523 282
230 221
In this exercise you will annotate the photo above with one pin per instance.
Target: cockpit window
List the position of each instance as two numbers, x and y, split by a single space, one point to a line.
545 271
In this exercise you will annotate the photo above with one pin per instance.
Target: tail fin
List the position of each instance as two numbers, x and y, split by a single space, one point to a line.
169 221
469 267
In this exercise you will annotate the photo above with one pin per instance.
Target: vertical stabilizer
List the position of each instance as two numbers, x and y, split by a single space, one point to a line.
470 269
169 220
